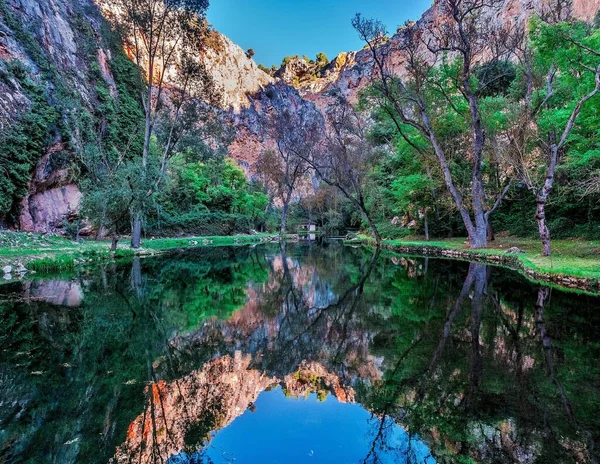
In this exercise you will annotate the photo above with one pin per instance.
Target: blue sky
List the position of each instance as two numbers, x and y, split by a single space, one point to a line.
276 28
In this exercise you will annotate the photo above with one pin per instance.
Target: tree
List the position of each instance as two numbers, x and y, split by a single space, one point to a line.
346 155
296 133
464 37
164 39
564 58
322 60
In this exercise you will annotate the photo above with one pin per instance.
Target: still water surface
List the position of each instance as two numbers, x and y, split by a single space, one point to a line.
308 354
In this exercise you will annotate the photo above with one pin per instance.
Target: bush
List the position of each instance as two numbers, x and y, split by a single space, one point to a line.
202 223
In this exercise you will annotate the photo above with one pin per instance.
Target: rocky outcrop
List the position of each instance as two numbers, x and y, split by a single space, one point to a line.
233 71
64 293
180 415
210 398
52 40
252 136
314 377
71 43
352 71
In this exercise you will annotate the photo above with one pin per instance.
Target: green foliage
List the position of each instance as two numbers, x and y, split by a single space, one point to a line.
495 78
215 192
269 71
322 59
287 59
23 144
408 181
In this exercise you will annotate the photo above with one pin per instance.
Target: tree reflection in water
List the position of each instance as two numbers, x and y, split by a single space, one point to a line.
475 361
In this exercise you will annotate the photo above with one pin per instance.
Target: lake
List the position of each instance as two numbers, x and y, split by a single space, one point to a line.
310 353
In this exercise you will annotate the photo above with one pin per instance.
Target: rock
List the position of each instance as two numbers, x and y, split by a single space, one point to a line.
46 210
7 269
514 251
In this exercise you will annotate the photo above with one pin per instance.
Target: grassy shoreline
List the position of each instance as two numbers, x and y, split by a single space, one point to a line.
574 264
42 253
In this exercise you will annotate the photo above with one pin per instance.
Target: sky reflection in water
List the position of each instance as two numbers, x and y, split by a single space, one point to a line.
283 429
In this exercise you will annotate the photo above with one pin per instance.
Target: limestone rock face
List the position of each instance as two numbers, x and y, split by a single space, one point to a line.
66 29
252 136
214 396
234 72
46 210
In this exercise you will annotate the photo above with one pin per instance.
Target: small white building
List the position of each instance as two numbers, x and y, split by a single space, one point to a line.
307 227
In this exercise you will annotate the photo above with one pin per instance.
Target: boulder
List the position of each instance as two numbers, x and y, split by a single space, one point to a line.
514 251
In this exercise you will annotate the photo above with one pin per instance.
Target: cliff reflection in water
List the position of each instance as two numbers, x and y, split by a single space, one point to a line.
160 354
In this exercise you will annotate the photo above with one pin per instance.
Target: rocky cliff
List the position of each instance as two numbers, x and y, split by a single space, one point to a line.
63 50
58 50
352 71
49 48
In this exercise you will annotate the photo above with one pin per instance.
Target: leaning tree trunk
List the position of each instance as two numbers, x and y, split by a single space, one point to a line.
370 221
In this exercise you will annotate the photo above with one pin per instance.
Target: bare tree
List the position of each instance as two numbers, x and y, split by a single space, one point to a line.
163 37
345 157
283 169
464 37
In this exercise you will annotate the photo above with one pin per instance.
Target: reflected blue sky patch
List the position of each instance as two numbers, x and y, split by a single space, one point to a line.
305 430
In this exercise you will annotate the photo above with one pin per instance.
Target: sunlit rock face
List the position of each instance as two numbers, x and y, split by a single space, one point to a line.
234 72
247 92
180 414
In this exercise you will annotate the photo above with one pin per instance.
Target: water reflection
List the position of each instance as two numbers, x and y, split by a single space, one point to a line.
145 361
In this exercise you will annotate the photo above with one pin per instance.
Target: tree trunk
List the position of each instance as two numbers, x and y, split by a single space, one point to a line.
478 236
136 230
426 226
284 213
542 198
371 223
136 277
476 371
540 216
114 243
490 232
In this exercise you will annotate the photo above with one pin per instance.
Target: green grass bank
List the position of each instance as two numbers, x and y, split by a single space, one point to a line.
38 252
573 264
